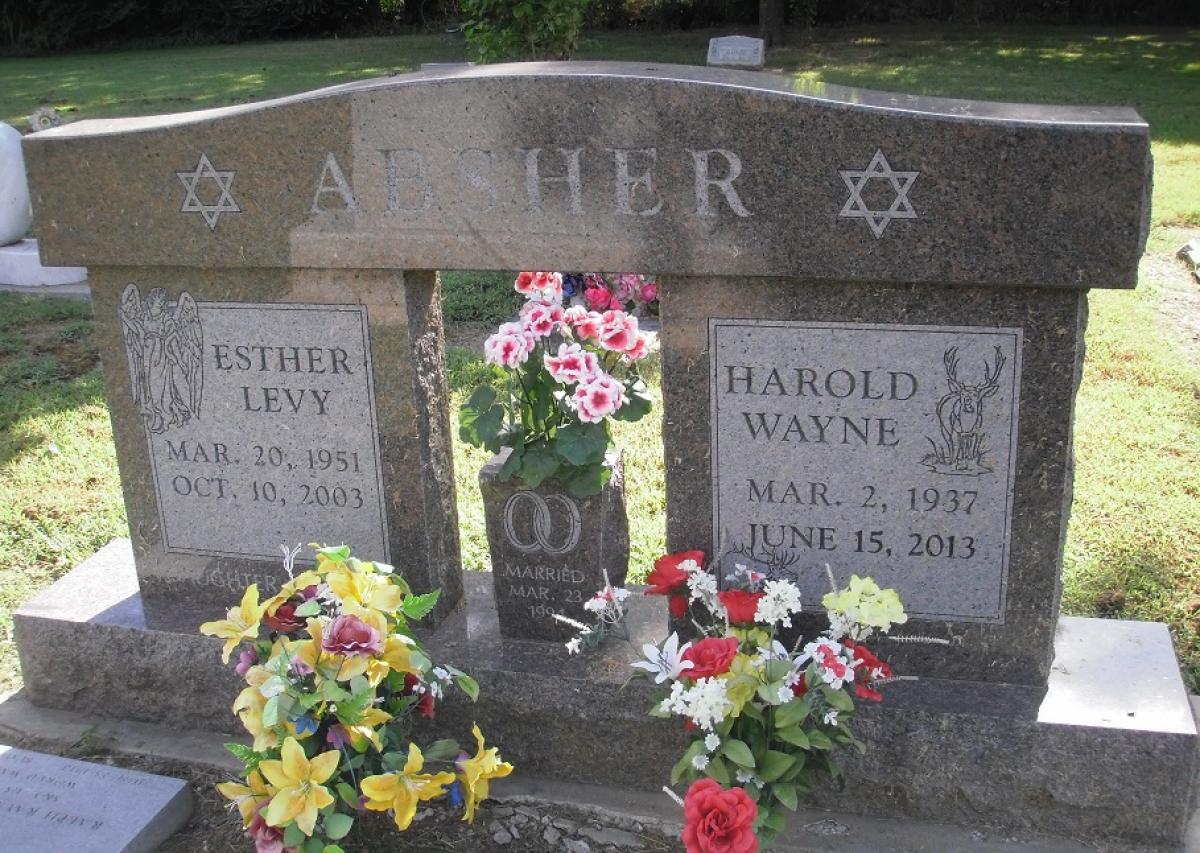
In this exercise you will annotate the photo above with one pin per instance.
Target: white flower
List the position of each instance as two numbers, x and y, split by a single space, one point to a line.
701 584
835 664
831 717
745 777
780 602
691 566
712 742
784 695
595 604
674 703
573 646
839 626
664 663
707 703
700 761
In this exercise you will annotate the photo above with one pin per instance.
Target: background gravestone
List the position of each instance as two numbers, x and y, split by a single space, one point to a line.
736 52
50 804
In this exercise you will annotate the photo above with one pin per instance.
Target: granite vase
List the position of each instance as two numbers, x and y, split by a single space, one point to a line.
550 550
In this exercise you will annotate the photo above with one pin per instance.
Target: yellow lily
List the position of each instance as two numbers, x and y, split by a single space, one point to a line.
365 590
397 655
289 590
249 707
475 773
401 792
247 797
365 729
300 794
241 624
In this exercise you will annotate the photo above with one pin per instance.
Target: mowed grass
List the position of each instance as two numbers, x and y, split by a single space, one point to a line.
1133 549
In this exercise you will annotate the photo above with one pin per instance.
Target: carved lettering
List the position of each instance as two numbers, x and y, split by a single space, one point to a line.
627 186
406 166
331 171
704 181
534 179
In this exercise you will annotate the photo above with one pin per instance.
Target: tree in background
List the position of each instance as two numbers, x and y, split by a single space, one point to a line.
525 29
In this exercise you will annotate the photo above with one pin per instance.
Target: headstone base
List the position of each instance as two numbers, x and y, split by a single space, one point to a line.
1115 718
20 266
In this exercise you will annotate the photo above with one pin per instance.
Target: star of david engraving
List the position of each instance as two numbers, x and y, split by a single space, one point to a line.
192 203
856 181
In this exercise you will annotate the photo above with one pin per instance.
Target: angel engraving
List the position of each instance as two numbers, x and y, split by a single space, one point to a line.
164 345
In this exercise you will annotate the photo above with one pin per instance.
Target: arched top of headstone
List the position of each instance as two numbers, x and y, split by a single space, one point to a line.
667 169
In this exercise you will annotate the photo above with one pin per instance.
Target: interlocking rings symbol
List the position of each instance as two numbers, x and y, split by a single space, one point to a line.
542 526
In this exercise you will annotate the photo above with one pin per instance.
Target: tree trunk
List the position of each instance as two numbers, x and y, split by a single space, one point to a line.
770 21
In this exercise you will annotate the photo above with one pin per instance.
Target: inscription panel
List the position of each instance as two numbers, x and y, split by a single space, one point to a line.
883 450
259 421
55 804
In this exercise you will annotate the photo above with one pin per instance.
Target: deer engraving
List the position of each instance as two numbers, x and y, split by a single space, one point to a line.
960 412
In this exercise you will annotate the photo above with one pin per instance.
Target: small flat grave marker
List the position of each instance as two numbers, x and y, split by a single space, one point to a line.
736 52
50 804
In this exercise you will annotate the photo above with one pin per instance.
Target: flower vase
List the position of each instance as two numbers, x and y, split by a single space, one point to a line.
550 549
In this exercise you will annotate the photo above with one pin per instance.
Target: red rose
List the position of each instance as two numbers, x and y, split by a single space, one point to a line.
711 656
717 820
740 605
284 619
678 605
667 578
425 706
350 636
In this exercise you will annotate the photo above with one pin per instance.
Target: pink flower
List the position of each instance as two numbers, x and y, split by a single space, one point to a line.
616 304
546 286
597 298
640 348
352 637
246 659
599 397
266 838
510 346
627 285
588 328
618 331
649 291
572 364
541 318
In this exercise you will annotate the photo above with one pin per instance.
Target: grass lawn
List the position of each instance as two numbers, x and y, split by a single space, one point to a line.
1133 548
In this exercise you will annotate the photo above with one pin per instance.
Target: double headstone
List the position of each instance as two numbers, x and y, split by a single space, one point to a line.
873 310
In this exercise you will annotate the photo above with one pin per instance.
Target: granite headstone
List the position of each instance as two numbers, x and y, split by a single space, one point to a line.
50 804
736 52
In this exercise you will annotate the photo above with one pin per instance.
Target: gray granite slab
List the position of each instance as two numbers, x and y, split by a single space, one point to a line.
264 408
50 804
668 169
736 52
995 601
1106 752
879 449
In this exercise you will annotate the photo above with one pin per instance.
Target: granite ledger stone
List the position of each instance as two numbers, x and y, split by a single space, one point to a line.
50 804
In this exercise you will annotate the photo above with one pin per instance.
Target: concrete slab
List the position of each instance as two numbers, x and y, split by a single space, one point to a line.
21 266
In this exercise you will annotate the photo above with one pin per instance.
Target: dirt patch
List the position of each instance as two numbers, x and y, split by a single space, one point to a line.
69 342
1180 302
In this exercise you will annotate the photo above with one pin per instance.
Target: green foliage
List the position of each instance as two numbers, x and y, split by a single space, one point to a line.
523 29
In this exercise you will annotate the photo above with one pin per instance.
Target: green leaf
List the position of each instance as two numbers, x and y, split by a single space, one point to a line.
442 750
336 553
245 754
639 405
480 419
537 465
793 735
684 765
337 825
309 608
513 461
352 709
313 845
792 713
468 685
419 606
293 836
348 794
585 482
737 752
776 670
717 771
394 761
271 714
818 740
333 848
786 794
775 822
582 444
774 765
838 699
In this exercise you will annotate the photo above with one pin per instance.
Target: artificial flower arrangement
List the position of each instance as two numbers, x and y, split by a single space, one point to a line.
334 676
567 372
764 718
624 291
